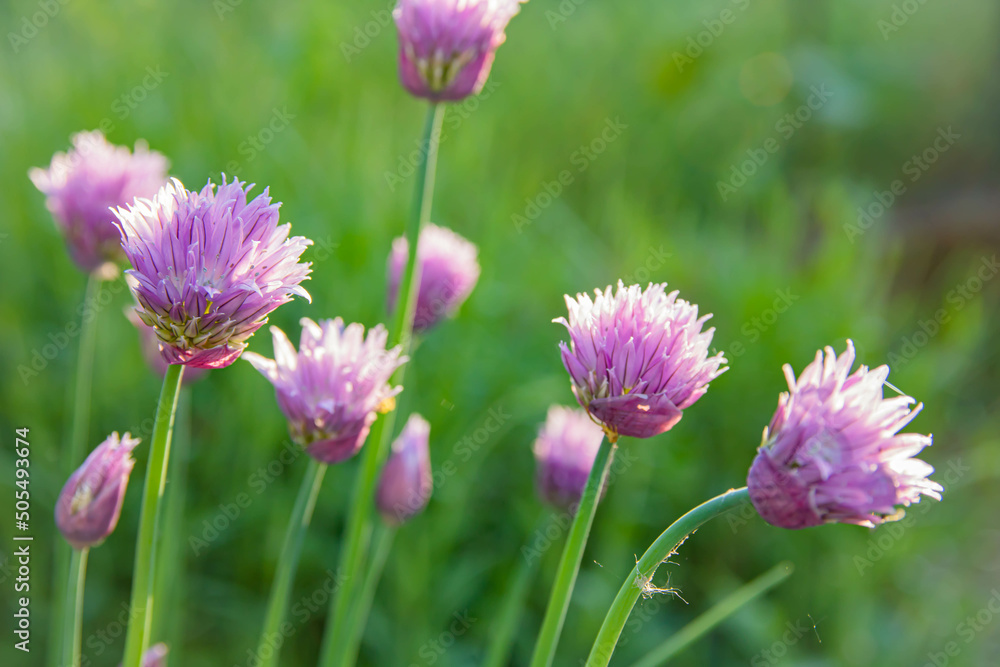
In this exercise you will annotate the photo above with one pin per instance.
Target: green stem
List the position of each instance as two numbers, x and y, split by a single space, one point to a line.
84 375
659 551
169 585
288 563
384 536
572 555
73 611
335 639
144 574
717 614
505 628
78 433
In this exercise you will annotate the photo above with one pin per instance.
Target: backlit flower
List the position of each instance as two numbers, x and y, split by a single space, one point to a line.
208 267
637 358
446 47
833 451
332 388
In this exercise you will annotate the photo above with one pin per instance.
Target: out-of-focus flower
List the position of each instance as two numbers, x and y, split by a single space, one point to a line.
208 267
84 185
332 388
565 450
833 451
149 344
446 47
449 269
88 507
406 483
156 656
637 358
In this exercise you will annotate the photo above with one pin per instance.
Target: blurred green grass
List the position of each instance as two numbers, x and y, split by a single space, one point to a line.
653 191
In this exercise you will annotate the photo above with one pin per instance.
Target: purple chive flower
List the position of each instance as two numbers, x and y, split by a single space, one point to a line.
332 388
88 507
84 185
449 270
150 346
406 483
446 47
565 450
833 453
637 359
208 267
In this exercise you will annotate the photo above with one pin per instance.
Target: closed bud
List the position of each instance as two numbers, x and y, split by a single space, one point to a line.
90 503
406 482
565 450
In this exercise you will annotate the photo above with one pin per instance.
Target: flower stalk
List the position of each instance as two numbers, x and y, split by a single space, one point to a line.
143 577
338 625
288 562
572 555
73 611
80 426
728 606
642 574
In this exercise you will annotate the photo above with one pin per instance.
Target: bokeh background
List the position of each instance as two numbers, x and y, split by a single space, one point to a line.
694 92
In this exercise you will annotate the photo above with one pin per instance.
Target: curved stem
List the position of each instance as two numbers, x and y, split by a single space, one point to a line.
335 638
659 551
384 536
73 611
728 606
78 432
143 577
288 563
572 555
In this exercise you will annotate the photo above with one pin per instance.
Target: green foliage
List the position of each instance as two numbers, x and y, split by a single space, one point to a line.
647 206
